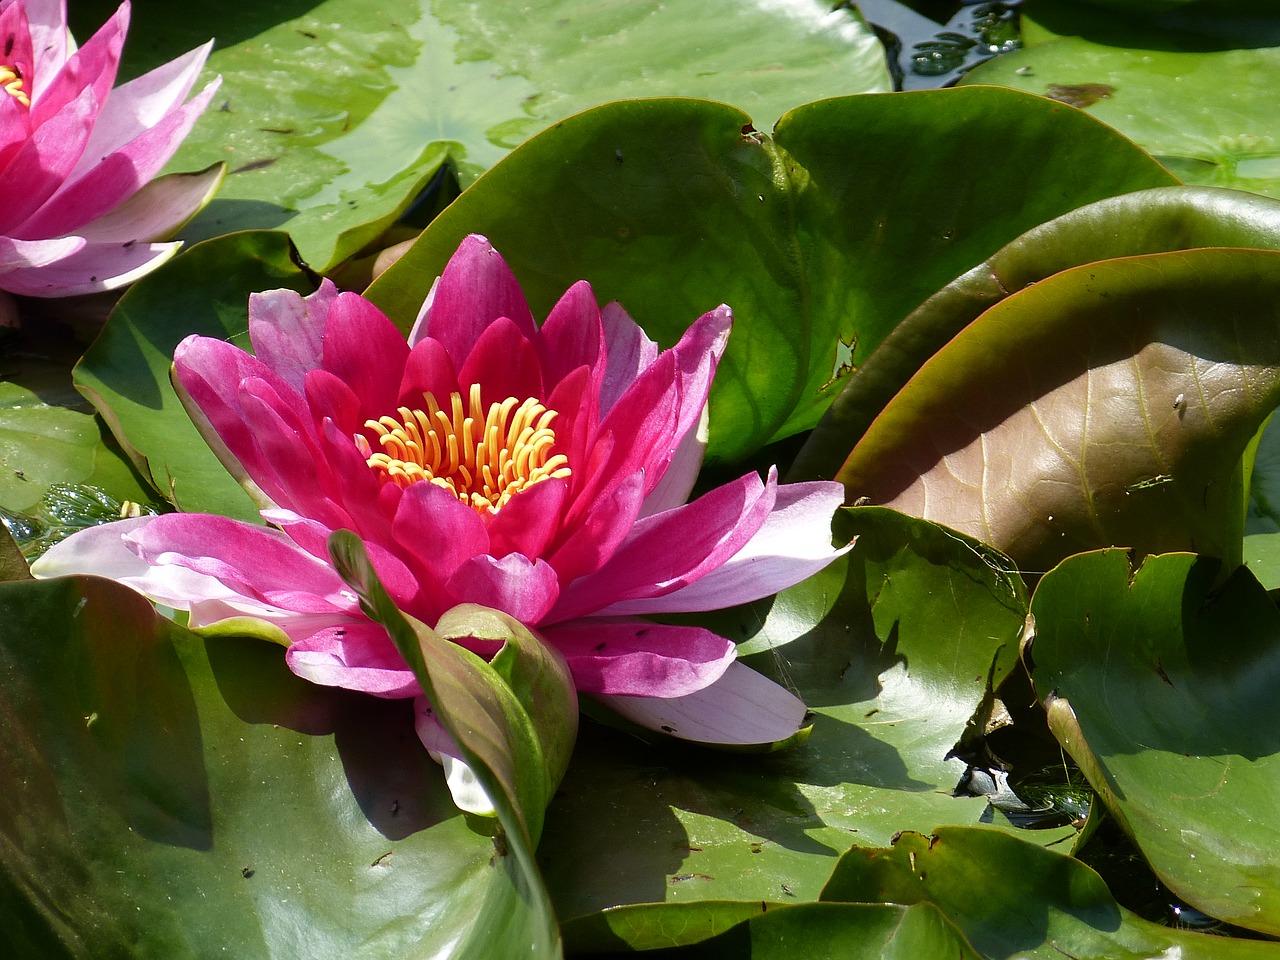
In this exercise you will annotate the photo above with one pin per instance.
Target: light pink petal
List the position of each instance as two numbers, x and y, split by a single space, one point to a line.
91 269
103 551
142 103
313 537
253 561
287 330
526 589
742 707
158 210
355 656
639 658
364 349
467 793
628 352
107 181
418 332
90 70
670 550
793 544
475 289
682 472
35 254
50 41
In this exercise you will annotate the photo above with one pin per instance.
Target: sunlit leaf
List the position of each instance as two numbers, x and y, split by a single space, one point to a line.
1108 404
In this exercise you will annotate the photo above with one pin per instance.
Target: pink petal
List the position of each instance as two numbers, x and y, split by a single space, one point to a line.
742 707
667 551
90 70
142 103
682 472
106 181
505 364
287 330
530 520
253 561
628 351
93 268
429 369
41 165
157 210
47 43
639 658
596 536
475 289
524 588
793 544
572 337
364 349
35 254
103 551
355 656
437 534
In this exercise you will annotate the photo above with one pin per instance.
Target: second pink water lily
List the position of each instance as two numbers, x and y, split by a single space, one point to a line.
542 471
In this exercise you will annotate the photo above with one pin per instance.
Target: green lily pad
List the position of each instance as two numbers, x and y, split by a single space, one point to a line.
821 238
894 649
1161 684
168 797
1146 221
1206 112
333 116
125 373
1011 898
1108 404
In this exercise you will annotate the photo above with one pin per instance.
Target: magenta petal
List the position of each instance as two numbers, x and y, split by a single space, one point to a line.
526 589
598 533
667 551
475 289
529 521
742 707
572 337
793 544
639 658
505 364
287 330
437 534
43 162
429 369
364 348
253 561
91 69
355 656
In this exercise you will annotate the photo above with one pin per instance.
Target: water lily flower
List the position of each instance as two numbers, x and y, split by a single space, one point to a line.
543 472
79 210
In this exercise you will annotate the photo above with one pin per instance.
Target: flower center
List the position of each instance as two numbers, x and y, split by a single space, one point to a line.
11 81
484 459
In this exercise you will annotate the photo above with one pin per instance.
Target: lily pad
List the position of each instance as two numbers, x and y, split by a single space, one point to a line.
1108 404
1205 110
168 797
125 373
821 238
333 116
1145 221
893 648
1161 684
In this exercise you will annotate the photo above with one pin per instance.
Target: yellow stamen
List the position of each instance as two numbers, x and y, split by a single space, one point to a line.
11 81
482 458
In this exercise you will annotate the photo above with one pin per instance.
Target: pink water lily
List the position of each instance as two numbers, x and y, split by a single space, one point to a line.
79 210
543 472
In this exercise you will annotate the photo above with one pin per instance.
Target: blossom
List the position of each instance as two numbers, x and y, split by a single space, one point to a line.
543 472
79 210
